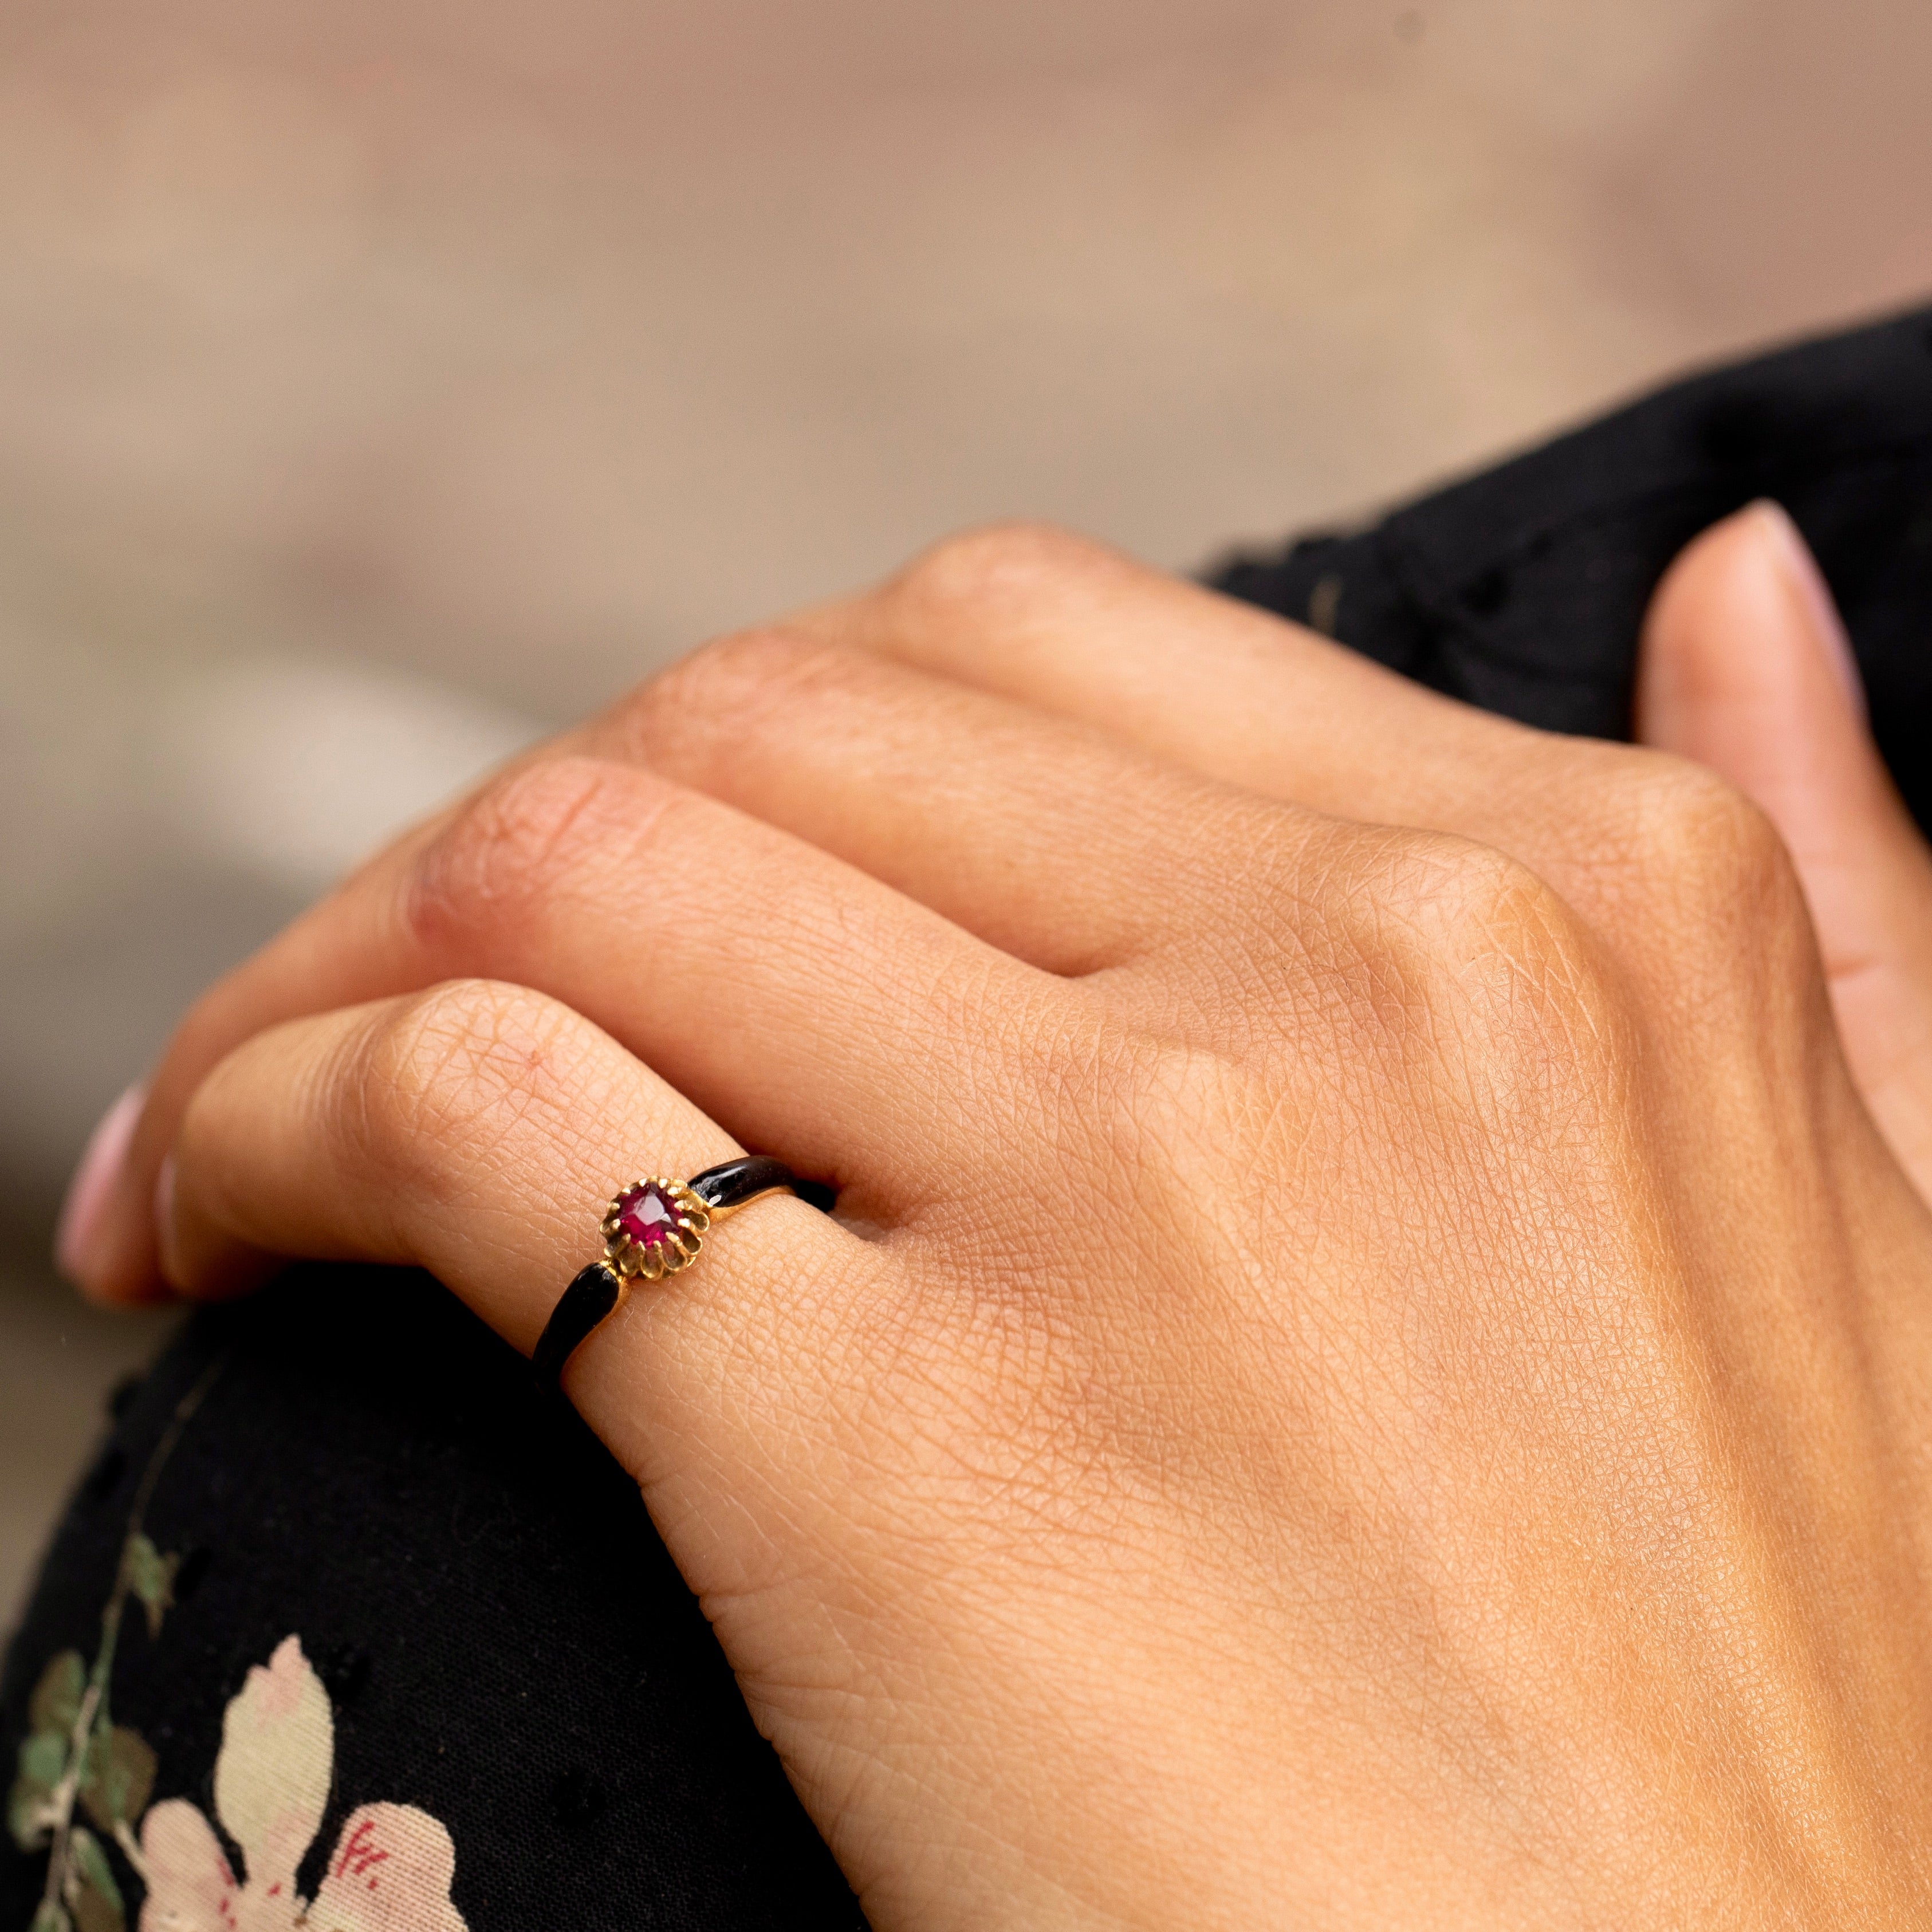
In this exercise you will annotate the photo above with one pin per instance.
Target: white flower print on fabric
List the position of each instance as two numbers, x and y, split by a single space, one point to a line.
390 1870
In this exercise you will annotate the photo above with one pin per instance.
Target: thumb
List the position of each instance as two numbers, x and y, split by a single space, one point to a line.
1745 667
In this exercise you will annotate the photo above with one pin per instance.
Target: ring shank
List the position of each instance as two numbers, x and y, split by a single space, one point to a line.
733 1184
586 1302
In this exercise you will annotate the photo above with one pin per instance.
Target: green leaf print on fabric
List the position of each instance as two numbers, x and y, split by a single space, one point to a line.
56 1702
75 1754
150 1576
95 1897
119 1777
54 1712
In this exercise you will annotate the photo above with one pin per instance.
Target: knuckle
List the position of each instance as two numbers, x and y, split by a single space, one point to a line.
1717 920
1477 969
1699 844
1146 1107
997 565
439 1069
701 720
483 875
734 684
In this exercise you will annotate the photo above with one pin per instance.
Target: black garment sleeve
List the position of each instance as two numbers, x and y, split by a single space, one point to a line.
1521 590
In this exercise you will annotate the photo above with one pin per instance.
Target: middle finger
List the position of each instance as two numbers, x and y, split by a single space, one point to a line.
1044 835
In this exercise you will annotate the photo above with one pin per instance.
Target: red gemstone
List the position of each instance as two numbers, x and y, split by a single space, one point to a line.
647 1215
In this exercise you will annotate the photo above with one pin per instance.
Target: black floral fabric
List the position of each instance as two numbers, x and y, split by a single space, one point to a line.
503 1644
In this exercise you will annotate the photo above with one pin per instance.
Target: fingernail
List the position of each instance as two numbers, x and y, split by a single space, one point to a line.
1808 584
84 1210
164 1216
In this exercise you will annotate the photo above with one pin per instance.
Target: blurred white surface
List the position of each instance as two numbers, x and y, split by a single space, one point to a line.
292 769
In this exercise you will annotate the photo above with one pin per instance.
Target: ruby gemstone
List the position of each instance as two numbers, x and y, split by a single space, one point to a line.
647 1215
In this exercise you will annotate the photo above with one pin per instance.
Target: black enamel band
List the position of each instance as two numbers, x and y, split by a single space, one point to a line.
592 1296
596 1292
733 1182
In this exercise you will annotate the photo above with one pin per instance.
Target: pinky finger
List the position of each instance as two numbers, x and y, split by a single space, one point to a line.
476 1130
446 1129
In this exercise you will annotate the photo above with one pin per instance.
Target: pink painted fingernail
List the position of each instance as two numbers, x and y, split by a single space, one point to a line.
92 1186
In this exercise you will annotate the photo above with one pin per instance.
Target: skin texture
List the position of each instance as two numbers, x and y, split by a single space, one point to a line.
1372 1367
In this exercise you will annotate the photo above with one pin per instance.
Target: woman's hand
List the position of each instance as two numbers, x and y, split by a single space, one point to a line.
1373 1367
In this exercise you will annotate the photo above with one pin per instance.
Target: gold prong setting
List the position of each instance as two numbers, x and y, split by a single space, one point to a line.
654 1228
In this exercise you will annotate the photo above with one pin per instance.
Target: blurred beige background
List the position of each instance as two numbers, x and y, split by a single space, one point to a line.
379 384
